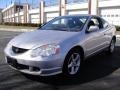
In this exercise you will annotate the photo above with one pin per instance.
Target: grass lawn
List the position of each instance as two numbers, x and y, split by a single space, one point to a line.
117 32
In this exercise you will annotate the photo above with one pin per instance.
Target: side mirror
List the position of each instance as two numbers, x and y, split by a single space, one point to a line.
93 28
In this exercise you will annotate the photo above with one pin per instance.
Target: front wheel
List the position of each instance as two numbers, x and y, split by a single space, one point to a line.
72 63
111 46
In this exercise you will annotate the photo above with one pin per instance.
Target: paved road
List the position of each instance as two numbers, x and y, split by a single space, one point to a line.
101 72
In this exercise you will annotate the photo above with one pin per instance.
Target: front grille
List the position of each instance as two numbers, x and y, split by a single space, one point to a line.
17 50
15 64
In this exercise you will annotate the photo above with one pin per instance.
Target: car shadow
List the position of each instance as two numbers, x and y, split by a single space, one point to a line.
93 68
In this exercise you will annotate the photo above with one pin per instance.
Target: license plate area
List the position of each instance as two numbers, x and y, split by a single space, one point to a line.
13 62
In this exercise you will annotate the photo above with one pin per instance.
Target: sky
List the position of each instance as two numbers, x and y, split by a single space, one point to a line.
33 3
4 3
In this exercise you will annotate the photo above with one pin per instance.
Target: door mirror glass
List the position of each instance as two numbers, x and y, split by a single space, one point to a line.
93 28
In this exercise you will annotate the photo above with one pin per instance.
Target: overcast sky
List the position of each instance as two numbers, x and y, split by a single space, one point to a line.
33 3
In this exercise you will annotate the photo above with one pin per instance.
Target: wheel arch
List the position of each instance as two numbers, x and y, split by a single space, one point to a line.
81 51
77 47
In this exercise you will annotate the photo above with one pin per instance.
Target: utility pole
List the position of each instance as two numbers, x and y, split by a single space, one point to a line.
11 1
27 1
42 17
59 7
93 7
89 6
97 7
62 7
32 4
6 4
19 12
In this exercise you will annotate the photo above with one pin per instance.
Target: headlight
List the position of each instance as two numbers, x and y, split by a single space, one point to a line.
46 50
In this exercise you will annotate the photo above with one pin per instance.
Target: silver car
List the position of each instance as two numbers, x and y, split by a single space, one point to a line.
60 45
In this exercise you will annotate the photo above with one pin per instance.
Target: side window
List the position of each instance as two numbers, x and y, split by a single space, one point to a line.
93 22
61 21
100 23
105 23
96 22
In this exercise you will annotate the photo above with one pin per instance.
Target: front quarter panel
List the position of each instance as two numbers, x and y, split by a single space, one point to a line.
110 32
71 42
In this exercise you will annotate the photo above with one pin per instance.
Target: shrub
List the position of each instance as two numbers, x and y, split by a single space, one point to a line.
34 24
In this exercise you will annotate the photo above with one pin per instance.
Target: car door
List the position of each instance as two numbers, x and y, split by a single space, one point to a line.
105 34
95 40
107 29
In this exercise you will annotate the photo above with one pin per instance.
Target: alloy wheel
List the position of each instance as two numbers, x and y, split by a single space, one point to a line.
74 63
112 46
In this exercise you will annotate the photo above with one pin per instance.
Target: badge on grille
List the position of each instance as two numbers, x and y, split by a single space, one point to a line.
16 50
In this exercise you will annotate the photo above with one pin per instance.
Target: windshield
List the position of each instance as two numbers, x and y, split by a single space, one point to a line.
68 23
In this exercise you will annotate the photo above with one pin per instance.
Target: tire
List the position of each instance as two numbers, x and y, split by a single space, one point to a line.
111 47
71 66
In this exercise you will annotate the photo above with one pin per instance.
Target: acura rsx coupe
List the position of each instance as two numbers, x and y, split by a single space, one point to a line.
60 45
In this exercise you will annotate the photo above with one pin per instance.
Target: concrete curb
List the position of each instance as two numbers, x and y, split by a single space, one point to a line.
27 30
118 36
17 30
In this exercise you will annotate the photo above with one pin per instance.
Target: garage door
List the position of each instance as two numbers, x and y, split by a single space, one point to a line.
72 12
34 18
50 15
22 19
112 15
16 19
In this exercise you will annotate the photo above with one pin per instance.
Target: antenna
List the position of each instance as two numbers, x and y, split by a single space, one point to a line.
19 2
11 1
26 1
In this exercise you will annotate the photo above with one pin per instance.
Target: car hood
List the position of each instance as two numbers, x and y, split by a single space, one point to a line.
37 38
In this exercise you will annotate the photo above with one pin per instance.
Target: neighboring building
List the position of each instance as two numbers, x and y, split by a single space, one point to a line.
108 9
16 13
1 16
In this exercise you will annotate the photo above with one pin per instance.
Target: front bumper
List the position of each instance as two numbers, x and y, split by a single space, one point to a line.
42 68
45 66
